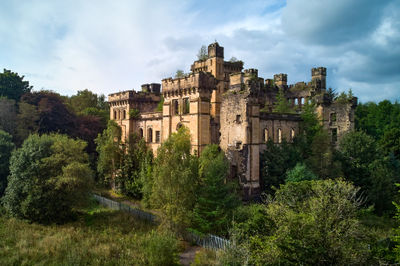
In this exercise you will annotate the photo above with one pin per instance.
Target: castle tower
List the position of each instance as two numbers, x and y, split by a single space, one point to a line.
280 79
318 77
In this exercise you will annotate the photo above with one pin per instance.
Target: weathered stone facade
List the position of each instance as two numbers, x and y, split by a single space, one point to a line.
222 104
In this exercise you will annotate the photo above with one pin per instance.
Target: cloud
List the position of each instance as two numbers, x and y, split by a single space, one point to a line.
119 45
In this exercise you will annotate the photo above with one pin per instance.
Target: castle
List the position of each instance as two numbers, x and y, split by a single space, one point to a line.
221 103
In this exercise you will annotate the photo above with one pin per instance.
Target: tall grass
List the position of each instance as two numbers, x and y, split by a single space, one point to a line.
99 237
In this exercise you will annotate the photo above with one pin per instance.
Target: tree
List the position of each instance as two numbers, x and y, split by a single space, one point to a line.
217 197
312 223
390 142
27 121
275 161
49 176
12 85
299 173
202 54
179 74
331 94
6 147
282 105
175 180
110 154
8 115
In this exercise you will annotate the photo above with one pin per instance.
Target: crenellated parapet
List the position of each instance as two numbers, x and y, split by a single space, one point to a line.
191 83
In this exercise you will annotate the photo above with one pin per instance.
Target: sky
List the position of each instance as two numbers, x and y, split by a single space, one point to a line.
110 46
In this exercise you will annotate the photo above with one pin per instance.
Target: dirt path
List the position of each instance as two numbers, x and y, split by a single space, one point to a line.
187 257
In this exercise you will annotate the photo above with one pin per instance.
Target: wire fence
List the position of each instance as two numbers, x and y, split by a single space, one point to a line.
209 241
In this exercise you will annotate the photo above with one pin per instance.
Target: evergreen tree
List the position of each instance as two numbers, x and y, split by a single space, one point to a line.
282 105
217 197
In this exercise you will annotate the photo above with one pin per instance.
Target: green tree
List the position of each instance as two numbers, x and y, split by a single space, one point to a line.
390 142
217 197
179 74
6 147
282 105
110 153
49 176
202 54
311 223
27 121
175 180
8 115
299 173
12 85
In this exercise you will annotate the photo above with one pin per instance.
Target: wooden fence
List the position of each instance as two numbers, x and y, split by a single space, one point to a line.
209 241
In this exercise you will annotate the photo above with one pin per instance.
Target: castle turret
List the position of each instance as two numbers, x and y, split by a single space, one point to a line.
214 50
318 77
280 79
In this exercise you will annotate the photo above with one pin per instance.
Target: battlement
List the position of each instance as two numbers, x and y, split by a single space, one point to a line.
200 80
251 72
280 79
152 87
318 71
133 95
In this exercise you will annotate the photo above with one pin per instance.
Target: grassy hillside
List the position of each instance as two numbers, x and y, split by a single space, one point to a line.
99 236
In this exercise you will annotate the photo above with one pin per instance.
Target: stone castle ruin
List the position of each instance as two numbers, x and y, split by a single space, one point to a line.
221 103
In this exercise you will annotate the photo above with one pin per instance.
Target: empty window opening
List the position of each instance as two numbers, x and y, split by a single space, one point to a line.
115 115
296 101
279 135
238 119
150 135
175 105
333 117
124 115
158 136
334 135
266 135
141 132
302 101
292 134
186 106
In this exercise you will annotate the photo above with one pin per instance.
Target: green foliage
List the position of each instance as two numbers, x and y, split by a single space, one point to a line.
344 97
6 147
134 113
27 123
377 119
160 249
134 155
300 173
202 55
8 115
217 197
312 223
175 180
12 85
110 154
49 176
282 105
331 94
179 74
160 105
368 168
390 142
310 125
275 161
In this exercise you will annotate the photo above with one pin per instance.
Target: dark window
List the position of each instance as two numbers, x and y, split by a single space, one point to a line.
158 136
115 115
141 132
175 107
186 106
238 119
333 117
124 114
149 135
334 135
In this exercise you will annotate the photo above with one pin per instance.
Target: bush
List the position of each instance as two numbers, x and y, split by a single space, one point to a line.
160 249
49 176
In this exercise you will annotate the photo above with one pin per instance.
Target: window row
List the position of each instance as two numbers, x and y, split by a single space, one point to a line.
267 136
119 114
150 135
184 108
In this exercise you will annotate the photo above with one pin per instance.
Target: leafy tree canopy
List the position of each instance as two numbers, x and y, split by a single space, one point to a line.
49 176
12 85
6 147
203 53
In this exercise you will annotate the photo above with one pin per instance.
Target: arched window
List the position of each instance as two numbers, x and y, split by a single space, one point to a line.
124 115
302 101
119 114
296 101
115 115
279 135
292 133
266 134
149 135
141 132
